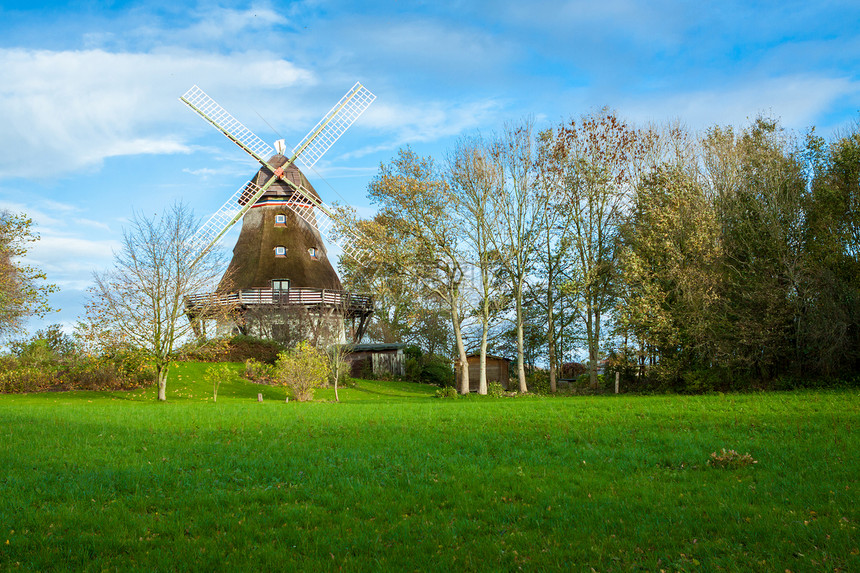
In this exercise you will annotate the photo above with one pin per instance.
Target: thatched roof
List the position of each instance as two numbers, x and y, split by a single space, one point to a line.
255 263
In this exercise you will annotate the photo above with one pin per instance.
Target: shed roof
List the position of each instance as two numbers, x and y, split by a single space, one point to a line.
491 356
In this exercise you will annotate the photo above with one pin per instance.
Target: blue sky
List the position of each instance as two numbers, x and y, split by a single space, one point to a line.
91 128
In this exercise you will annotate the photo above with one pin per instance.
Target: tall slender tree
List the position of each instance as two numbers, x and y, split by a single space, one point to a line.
513 157
472 181
602 157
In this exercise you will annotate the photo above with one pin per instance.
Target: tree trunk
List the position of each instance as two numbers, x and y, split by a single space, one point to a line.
592 346
161 376
550 339
461 350
482 379
521 367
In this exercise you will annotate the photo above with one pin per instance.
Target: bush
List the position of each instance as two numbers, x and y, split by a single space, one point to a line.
495 389
50 361
259 372
584 381
447 392
302 369
437 370
538 382
26 379
572 370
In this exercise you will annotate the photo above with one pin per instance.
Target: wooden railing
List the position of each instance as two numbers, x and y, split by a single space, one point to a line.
293 296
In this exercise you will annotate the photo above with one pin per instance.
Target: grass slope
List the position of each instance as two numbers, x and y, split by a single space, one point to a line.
394 479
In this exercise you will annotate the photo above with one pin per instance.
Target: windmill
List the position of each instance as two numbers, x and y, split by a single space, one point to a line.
280 260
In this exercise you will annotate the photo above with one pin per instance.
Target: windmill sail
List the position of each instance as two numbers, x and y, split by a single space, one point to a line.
333 125
324 220
220 118
220 222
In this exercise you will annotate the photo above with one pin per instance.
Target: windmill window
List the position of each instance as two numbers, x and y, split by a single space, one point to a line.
281 284
280 251
313 252
280 220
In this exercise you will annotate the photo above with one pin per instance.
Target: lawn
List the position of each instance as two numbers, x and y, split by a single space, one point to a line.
394 479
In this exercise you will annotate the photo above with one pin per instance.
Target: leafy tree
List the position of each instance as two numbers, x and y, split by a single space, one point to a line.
832 328
403 311
22 290
418 211
667 284
141 300
757 182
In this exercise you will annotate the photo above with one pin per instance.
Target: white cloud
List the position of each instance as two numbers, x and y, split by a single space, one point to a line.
66 111
796 100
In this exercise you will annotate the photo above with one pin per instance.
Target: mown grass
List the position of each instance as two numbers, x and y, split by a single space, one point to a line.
394 479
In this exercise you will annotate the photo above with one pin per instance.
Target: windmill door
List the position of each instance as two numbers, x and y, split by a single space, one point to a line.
280 288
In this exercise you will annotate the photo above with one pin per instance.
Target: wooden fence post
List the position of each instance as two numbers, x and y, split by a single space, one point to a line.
617 376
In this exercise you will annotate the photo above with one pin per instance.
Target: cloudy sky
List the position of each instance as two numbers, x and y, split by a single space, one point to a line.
91 128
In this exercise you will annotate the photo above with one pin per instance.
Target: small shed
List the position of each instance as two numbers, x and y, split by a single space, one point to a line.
380 359
498 370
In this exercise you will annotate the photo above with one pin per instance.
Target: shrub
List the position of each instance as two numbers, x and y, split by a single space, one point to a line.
572 370
302 369
26 379
36 353
447 392
584 381
237 348
495 389
538 382
437 370
259 372
132 364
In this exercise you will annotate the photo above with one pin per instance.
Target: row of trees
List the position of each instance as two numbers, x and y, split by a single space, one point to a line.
688 262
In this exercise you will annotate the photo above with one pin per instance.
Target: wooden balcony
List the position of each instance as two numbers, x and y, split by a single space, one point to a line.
351 304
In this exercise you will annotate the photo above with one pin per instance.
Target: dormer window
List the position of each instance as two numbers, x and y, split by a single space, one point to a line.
313 252
280 220
280 251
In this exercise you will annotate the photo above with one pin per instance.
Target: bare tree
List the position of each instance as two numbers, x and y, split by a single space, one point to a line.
141 300
553 242
513 160
602 159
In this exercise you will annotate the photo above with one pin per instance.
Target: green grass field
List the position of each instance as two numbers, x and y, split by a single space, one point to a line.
394 479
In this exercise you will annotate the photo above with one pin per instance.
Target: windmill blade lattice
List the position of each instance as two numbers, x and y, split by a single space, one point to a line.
208 109
323 221
333 125
220 222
